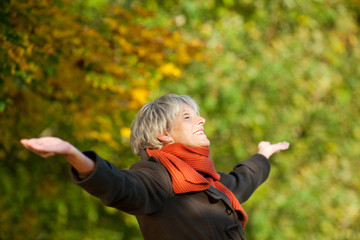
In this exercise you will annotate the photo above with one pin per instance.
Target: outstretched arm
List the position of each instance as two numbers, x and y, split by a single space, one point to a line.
51 146
267 149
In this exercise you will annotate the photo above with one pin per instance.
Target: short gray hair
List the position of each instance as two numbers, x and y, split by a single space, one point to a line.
156 118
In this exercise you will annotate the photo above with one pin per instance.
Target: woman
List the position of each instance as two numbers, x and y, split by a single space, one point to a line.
174 191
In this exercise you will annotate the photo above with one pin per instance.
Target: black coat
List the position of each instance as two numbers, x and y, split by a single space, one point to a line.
145 190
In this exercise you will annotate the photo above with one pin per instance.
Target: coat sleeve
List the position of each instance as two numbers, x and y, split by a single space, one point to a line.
140 190
247 176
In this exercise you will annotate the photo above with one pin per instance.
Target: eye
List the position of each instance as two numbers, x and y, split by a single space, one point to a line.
186 116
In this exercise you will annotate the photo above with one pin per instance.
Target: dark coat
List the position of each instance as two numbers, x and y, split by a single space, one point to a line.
145 191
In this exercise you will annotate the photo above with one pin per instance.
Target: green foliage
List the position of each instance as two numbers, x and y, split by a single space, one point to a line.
271 70
283 71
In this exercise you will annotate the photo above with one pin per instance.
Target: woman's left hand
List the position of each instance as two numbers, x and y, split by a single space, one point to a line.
267 149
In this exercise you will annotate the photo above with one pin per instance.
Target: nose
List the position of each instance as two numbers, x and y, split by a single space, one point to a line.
201 120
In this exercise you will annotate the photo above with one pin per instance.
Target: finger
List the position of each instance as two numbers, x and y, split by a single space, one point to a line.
282 146
285 145
32 145
46 154
24 142
36 148
41 153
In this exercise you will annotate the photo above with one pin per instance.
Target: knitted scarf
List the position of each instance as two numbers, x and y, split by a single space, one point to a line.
192 170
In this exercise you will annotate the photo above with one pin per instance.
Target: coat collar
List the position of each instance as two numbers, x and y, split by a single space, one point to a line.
143 154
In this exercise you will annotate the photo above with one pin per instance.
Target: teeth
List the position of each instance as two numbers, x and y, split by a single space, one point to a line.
199 133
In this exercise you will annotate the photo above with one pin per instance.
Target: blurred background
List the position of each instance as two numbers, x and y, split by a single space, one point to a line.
283 70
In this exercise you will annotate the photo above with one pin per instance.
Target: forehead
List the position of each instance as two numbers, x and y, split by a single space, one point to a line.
185 108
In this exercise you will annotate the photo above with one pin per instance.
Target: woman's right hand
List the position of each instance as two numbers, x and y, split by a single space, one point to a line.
47 146
51 146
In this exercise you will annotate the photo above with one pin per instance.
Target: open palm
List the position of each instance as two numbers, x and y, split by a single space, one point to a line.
267 149
47 146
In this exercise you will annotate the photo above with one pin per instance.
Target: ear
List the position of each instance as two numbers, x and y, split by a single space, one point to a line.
167 139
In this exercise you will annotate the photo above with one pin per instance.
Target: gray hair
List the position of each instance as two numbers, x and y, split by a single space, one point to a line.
156 118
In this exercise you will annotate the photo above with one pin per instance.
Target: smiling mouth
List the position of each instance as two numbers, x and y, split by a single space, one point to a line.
199 132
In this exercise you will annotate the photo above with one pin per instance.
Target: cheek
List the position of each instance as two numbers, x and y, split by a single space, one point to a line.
177 133
182 134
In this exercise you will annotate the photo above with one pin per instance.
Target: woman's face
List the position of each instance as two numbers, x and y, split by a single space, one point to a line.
188 128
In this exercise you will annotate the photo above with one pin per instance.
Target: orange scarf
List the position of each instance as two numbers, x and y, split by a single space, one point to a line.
192 170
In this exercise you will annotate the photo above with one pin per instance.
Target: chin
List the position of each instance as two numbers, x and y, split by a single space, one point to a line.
199 145
207 144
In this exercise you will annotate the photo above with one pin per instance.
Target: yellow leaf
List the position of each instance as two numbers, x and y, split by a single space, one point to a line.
140 94
139 97
125 132
169 69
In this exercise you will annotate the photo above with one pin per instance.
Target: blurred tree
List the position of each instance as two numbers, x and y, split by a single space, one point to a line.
82 79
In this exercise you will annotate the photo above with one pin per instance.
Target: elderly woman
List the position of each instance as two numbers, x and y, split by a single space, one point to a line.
174 191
